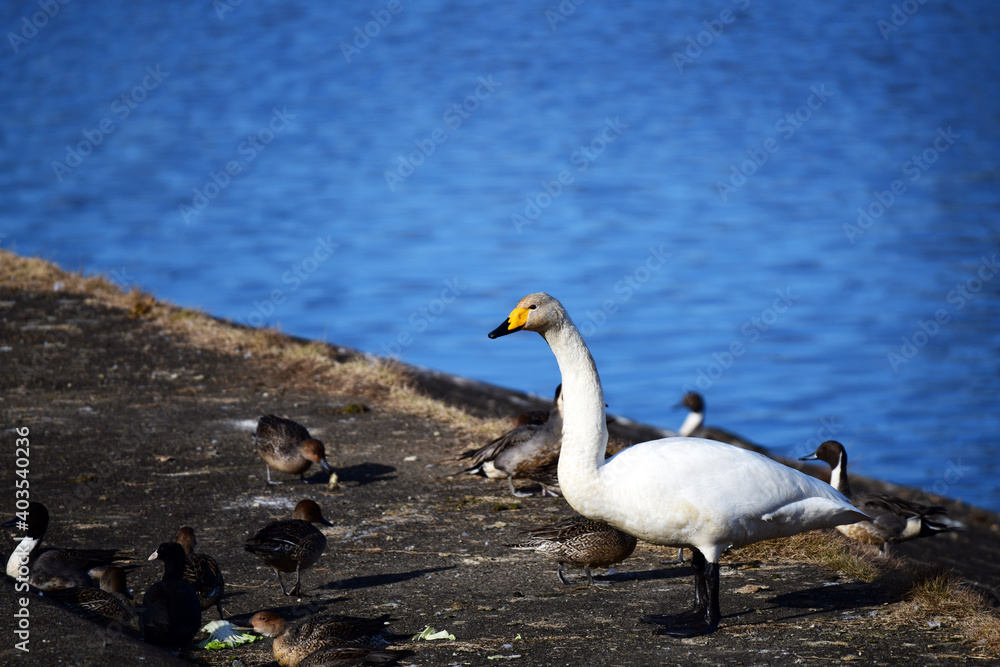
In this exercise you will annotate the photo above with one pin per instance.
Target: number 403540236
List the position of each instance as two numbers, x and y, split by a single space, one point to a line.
21 462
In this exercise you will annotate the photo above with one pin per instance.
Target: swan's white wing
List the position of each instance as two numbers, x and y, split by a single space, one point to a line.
706 493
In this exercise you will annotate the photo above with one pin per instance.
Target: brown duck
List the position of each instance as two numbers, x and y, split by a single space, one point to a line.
893 519
291 545
293 642
202 572
522 451
579 542
286 445
107 604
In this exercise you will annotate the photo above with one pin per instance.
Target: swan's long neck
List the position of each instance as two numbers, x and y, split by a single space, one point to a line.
691 423
585 432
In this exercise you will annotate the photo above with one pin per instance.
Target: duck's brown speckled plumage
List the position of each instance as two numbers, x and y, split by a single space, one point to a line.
286 445
294 641
291 545
522 450
107 604
579 542
894 519
202 572
352 656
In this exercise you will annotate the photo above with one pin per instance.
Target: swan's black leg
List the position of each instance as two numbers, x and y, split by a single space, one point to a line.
704 617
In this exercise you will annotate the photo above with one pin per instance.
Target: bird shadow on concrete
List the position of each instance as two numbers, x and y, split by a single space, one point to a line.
307 602
368 581
835 597
676 572
363 473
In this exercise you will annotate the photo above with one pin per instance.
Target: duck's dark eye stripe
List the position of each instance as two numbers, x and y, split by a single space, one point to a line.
532 307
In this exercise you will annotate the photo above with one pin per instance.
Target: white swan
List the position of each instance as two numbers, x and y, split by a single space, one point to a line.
682 492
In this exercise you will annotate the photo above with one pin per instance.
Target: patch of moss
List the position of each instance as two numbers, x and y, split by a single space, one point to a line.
500 507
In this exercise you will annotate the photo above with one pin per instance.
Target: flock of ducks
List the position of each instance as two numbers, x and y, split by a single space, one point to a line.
92 582
706 490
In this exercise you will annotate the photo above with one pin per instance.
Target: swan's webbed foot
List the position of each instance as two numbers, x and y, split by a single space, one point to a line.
703 618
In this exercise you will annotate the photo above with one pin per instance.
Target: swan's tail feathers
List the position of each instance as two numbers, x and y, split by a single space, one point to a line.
855 516
848 516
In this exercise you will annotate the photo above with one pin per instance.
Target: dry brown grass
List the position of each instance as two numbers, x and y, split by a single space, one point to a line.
936 596
304 363
921 594
825 548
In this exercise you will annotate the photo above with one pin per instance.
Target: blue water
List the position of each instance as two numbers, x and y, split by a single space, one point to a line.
683 173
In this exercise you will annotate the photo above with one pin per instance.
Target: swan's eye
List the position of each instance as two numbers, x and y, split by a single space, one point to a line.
532 307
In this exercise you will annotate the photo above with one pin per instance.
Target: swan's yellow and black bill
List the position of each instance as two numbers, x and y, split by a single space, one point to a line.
515 322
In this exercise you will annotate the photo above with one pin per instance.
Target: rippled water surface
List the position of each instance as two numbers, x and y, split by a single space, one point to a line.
792 207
